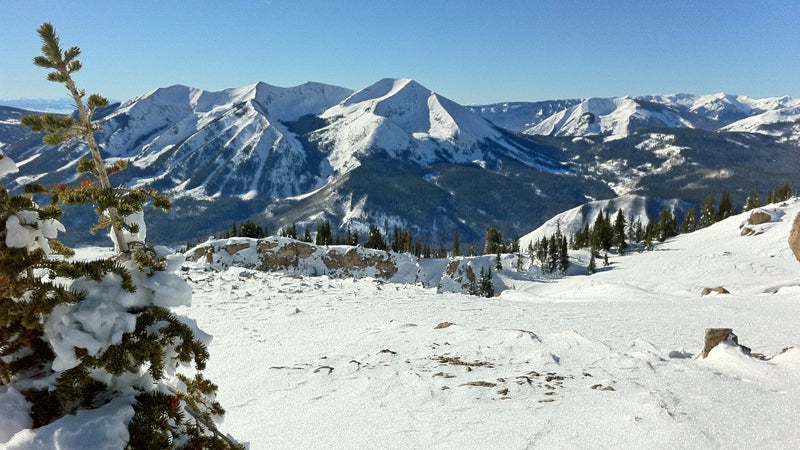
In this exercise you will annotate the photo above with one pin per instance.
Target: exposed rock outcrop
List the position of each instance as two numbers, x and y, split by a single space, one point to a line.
352 260
794 237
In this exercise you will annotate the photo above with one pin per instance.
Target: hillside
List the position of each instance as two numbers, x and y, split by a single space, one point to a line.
609 360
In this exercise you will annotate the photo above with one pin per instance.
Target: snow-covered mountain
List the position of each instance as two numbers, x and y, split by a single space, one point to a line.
618 117
397 153
393 153
615 117
407 121
783 123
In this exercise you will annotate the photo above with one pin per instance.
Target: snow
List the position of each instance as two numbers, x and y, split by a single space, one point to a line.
7 165
363 364
105 427
13 413
602 361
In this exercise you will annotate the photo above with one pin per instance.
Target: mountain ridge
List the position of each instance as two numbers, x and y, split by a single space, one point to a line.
399 154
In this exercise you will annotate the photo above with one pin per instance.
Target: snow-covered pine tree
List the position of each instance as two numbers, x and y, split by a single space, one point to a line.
485 284
708 212
80 335
752 201
689 221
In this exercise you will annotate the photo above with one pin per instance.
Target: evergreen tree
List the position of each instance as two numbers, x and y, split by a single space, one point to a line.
375 239
498 263
289 231
637 231
472 250
708 212
494 241
563 256
553 248
619 232
456 244
665 228
472 285
725 206
485 283
781 194
251 229
324 233
307 235
36 311
592 264
752 201
689 221
649 235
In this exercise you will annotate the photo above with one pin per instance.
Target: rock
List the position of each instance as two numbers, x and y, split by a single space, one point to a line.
353 259
718 290
233 249
759 217
747 231
274 257
206 252
716 335
442 325
794 237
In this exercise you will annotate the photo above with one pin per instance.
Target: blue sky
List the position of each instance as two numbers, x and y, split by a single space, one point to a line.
470 51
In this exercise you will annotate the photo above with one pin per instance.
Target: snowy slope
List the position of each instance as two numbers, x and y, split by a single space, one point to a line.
602 361
518 116
782 123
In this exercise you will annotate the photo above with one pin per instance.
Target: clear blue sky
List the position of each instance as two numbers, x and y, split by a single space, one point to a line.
470 51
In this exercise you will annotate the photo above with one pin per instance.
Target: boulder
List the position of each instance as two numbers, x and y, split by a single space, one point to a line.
716 335
718 290
758 217
794 237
